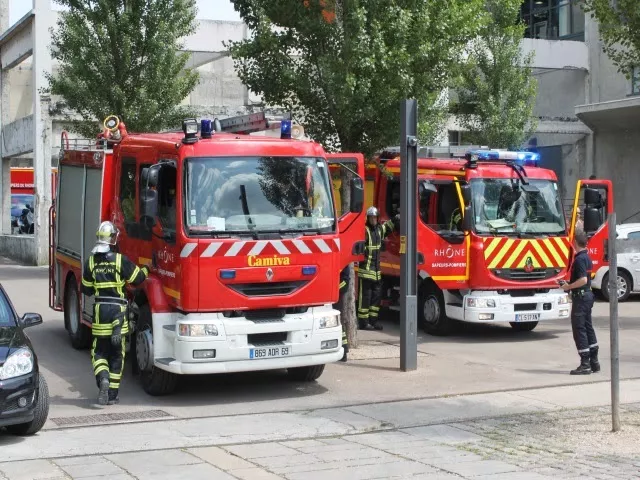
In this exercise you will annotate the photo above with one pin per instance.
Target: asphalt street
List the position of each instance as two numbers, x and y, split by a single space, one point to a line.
475 358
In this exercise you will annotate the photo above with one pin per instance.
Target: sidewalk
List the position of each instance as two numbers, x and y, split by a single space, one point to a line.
559 432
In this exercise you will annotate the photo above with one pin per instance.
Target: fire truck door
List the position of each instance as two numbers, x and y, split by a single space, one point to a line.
592 205
347 174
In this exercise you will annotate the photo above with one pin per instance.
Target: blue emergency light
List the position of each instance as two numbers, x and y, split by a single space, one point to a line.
205 128
285 129
527 159
227 274
309 270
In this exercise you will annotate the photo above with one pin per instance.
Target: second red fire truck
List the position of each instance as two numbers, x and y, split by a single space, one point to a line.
241 235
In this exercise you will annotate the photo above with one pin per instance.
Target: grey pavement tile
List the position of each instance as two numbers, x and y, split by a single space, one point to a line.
458 457
334 441
123 476
313 467
200 471
258 450
401 468
381 438
286 460
482 467
101 467
355 420
434 476
298 444
352 454
254 474
220 458
514 476
444 434
331 448
428 451
139 463
31 470
86 460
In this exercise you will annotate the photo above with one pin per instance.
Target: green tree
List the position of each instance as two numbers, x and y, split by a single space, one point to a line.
620 31
343 66
496 89
122 57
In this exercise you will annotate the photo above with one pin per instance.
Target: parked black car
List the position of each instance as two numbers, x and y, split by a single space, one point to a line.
24 396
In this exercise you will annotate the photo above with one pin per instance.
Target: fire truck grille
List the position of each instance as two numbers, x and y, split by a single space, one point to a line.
263 315
266 339
267 289
519 274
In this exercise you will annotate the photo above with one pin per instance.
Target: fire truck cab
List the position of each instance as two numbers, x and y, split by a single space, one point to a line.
240 233
493 238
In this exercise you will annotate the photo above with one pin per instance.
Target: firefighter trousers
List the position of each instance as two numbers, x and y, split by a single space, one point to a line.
581 323
108 359
369 297
340 307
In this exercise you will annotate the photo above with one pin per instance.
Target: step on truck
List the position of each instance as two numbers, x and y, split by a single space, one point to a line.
493 237
240 233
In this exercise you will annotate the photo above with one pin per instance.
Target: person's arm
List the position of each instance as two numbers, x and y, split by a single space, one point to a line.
131 273
390 225
87 278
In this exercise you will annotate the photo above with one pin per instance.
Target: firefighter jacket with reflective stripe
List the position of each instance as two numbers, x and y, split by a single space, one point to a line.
369 268
344 280
105 276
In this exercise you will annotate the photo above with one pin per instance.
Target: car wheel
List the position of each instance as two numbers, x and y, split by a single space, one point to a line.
154 381
79 333
624 286
523 326
305 374
431 312
41 412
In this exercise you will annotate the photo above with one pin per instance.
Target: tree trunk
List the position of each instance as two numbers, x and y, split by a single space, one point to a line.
349 301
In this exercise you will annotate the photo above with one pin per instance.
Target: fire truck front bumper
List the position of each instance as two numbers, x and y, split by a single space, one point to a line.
491 306
241 345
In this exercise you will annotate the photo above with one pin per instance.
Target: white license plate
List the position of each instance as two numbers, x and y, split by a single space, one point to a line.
527 317
269 352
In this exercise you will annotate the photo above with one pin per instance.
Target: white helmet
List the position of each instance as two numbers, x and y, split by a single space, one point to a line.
372 212
107 235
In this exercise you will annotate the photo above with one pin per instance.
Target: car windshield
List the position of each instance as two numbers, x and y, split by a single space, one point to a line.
506 206
258 194
7 318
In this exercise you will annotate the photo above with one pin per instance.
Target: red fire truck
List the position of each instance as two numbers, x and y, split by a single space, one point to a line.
241 236
501 259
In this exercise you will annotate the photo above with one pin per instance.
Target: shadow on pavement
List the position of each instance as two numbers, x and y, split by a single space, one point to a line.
7 439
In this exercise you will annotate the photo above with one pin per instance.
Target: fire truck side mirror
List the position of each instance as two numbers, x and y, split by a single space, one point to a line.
592 220
149 204
466 220
150 176
466 194
592 197
357 195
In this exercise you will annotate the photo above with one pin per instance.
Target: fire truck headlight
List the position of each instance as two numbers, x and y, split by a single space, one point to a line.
330 322
198 330
563 300
476 302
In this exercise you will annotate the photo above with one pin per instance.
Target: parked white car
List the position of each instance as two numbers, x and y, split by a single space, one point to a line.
628 267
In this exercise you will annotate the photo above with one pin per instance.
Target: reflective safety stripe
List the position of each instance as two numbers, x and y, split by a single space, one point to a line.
115 385
134 275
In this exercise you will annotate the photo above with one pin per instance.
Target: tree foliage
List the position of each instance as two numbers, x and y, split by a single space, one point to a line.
344 65
620 31
496 88
122 57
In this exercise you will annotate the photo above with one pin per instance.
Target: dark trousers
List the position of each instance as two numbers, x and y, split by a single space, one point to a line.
107 361
369 297
581 323
340 307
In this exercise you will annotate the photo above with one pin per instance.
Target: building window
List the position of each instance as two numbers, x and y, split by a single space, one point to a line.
635 81
553 19
458 138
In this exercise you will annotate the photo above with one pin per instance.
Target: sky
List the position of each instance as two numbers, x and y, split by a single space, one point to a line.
207 9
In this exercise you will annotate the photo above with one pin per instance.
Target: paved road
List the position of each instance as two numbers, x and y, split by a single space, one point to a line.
474 359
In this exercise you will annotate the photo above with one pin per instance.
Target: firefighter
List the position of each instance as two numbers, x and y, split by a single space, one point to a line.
581 323
105 275
343 288
370 277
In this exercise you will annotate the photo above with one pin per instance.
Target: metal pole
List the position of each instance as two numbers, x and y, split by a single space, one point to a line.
408 237
613 318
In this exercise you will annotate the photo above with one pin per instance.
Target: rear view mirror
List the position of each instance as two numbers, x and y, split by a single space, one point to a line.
592 220
149 206
357 195
30 319
466 220
425 187
592 197
150 176
466 194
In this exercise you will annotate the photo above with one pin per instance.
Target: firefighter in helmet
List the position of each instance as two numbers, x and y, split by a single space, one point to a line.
369 274
105 275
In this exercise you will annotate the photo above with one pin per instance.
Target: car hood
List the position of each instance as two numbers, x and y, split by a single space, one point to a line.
11 338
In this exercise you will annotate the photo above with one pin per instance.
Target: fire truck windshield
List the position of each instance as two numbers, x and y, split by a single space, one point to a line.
507 207
258 194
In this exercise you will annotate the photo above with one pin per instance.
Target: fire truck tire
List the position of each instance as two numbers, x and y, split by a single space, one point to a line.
79 333
523 326
432 315
155 382
305 374
625 285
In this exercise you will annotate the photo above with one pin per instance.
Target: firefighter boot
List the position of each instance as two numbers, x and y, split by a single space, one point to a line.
346 351
114 399
595 364
585 365
103 394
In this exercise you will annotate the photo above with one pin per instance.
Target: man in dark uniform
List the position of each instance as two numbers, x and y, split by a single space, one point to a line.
369 274
581 323
105 275
343 288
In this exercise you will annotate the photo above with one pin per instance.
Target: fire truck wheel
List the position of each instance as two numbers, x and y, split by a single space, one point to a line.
433 317
154 381
523 326
79 333
305 374
624 286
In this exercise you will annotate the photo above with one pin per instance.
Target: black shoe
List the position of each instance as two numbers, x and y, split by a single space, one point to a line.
114 399
368 326
377 326
593 360
344 357
585 366
103 394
